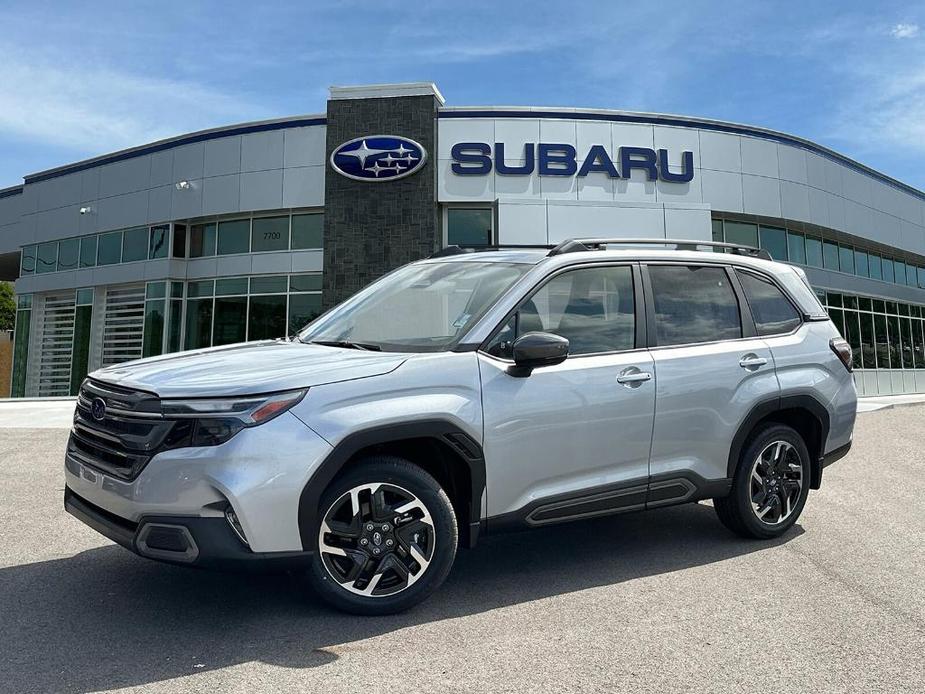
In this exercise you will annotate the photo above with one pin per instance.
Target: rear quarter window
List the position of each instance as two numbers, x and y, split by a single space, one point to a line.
772 310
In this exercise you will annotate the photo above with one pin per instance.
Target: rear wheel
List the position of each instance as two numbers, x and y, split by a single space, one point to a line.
770 486
386 540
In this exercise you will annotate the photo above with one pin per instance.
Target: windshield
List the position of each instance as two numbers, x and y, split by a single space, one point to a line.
424 307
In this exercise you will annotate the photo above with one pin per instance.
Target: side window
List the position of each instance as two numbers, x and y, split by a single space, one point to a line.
772 311
592 307
693 304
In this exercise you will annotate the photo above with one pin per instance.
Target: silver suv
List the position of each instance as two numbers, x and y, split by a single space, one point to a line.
467 394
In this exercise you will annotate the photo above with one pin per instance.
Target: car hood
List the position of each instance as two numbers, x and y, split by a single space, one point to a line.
248 369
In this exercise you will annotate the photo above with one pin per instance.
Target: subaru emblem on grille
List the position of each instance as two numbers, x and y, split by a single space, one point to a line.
98 408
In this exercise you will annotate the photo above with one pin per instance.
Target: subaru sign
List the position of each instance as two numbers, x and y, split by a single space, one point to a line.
559 159
378 158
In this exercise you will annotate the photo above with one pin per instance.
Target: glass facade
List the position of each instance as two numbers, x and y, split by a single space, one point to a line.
469 226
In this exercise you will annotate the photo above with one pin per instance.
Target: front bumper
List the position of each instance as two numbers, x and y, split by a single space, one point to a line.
259 474
188 540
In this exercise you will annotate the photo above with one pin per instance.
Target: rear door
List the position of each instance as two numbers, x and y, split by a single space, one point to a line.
711 369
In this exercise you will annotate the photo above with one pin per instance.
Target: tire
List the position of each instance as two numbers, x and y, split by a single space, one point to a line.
412 557
765 505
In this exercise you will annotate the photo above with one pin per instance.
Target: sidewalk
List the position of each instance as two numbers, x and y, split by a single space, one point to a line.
57 413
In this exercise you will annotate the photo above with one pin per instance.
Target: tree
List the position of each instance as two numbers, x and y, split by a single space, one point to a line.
7 306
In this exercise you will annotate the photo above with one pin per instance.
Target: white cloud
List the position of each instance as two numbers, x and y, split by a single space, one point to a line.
905 31
92 110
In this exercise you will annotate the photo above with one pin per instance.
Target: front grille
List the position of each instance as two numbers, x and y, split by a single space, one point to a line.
130 433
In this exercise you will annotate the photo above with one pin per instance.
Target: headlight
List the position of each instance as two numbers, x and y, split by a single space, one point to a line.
215 420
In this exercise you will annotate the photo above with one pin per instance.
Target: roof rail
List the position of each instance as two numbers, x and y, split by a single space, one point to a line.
596 244
459 250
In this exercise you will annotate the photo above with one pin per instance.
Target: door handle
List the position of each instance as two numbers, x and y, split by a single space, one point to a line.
752 362
633 377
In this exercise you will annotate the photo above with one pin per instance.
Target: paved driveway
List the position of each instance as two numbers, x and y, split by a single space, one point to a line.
664 601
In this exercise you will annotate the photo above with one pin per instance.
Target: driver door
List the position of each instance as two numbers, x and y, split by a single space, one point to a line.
571 440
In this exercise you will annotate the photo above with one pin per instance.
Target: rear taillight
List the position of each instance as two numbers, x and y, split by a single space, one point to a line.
843 350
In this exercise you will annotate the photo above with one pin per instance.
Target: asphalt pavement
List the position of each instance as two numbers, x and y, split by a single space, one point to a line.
663 601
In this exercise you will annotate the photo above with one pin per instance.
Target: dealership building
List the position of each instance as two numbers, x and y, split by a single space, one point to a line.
249 231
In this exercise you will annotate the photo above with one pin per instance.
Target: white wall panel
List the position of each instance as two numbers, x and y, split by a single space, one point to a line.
451 187
517 186
912 237
759 157
262 190
262 151
60 191
56 223
222 156
162 168
188 162
121 211
722 189
514 133
127 176
688 223
186 203
818 206
221 194
303 186
720 152
159 204
692 191
522 222
453 130
631 135
815 171
305 146
761 195
571 220
794 201
791 163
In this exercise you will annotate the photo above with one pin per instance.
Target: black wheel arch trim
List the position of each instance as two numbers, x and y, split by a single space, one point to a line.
467 449
779 404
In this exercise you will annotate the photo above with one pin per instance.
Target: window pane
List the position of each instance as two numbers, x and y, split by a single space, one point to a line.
833 299
47 258
774 240
27 262
846 259
592 308
887 264
272 284
110 249
911 278
307 230
267 319
202 240
883 343
84 297
230 320
68 253
80 352
742 233
905 330
303 309
235 285
200 288
305 283
176 290
875 266
918 344
850 301
868 361
693 304
717 225
270 234
830 255
896 361
838 318
156 290
160 237
468 227
234 237
853 335
135 245
198 323
878 305
179 240
173 327
154 328
20 353
899 270
796 249
813 251
88 251
860 263
772 311
922 277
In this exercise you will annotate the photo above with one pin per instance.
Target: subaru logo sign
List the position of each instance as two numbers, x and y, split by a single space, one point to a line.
378 158
98 408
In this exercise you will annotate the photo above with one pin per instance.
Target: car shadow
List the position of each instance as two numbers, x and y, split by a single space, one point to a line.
105 619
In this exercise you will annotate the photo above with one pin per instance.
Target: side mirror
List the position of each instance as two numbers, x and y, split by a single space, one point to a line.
539 349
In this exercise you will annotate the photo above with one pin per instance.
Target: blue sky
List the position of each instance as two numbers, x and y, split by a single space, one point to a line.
82 79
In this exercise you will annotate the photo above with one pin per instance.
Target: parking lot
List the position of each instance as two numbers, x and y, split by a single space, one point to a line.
663 601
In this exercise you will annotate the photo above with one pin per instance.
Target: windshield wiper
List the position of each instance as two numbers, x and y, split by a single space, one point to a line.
365 346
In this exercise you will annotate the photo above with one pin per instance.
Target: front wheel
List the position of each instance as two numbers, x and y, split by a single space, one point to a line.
770 486
386 540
